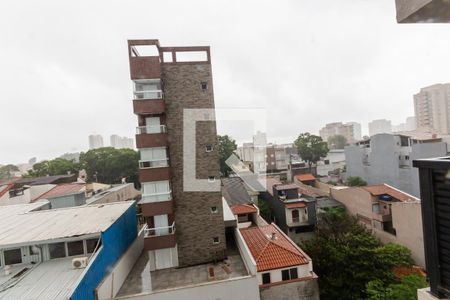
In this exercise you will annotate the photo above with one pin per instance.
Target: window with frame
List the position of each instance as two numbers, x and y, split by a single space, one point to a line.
57 250
91 244
75 248
289 274
265 278
216 240
211 179
12 256
209 148
204 85
214 209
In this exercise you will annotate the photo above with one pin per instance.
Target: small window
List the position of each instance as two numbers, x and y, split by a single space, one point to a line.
406 157
91 244
216 240
57 250
209 148
285 275
13 256
265 278
293 273
289 274
214 209
211 179
75 248
204 85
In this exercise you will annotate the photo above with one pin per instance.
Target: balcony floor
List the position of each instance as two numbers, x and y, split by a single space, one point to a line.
141 280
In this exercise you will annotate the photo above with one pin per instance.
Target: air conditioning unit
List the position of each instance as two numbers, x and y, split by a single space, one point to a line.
79 262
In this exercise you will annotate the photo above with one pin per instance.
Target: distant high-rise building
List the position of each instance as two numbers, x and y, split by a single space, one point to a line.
409 125
119 142
95 141
348 130
431 107
380 126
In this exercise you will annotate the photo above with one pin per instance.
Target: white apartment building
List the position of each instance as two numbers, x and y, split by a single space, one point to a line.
380 126
95 141
351 131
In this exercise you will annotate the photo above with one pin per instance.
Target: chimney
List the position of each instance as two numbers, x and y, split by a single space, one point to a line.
274 236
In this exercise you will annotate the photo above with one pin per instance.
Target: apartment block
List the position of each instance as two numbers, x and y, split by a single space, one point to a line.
432 108
351 131
95 141
166 82
386 158
380 126
121 142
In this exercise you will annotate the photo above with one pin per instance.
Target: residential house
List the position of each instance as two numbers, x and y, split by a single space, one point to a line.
391 214
386 158
61 253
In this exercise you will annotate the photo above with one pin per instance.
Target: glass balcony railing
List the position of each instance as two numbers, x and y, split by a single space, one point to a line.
156 197
151 129
148 164
159 231
148 94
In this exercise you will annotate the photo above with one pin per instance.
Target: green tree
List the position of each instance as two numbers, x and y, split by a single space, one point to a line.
355 181
311 148
57 166
109 165
337 141
226 147
347 256
7 171
265 209
405 289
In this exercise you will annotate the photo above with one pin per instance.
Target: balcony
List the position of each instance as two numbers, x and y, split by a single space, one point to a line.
151 136
155 173
156 208
159 237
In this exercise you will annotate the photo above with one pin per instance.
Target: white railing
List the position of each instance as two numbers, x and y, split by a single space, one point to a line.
148 164
159 231
148 94
157 197
150 129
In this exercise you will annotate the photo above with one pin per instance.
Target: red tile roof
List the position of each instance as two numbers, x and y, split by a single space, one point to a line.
295 205
270 253
384 189
62 189
305 177
241 209
4 189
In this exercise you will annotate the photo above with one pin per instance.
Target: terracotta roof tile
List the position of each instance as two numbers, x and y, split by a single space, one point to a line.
305 177
271 253
295 205
384 189
4 189
240 209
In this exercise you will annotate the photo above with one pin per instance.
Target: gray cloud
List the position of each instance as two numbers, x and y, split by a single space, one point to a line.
64 69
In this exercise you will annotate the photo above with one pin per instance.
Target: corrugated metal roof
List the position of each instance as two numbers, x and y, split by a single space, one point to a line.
19 225
234 191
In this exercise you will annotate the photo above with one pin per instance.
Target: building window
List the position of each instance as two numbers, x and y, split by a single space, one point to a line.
57 250
216 240
75 248
289 274
12 256
214 209
211 179
91 244
295 216
406 157
209 148
265 278
204 85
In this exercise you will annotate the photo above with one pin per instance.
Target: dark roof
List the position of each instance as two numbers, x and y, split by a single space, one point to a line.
234 191
328 202
47 180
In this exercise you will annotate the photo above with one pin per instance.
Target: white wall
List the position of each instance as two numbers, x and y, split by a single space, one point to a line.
111 284
240 288
275 275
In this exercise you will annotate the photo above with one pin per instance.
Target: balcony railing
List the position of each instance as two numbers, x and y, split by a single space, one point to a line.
148 94
159 231
151 129
157 197
148 164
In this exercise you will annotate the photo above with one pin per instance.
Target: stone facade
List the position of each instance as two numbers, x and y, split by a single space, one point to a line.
196 225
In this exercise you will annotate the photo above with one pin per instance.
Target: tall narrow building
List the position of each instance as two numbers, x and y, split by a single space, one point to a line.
183 227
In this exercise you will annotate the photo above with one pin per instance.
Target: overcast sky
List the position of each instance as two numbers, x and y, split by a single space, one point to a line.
64 67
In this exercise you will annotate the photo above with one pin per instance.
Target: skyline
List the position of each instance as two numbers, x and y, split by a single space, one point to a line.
306 63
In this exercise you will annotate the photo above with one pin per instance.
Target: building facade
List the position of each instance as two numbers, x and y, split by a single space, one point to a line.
95 141
121 142
348 130
431 107
380 126
164 86
386 158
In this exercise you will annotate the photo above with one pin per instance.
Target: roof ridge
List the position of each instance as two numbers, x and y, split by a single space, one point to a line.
285 248
262 250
